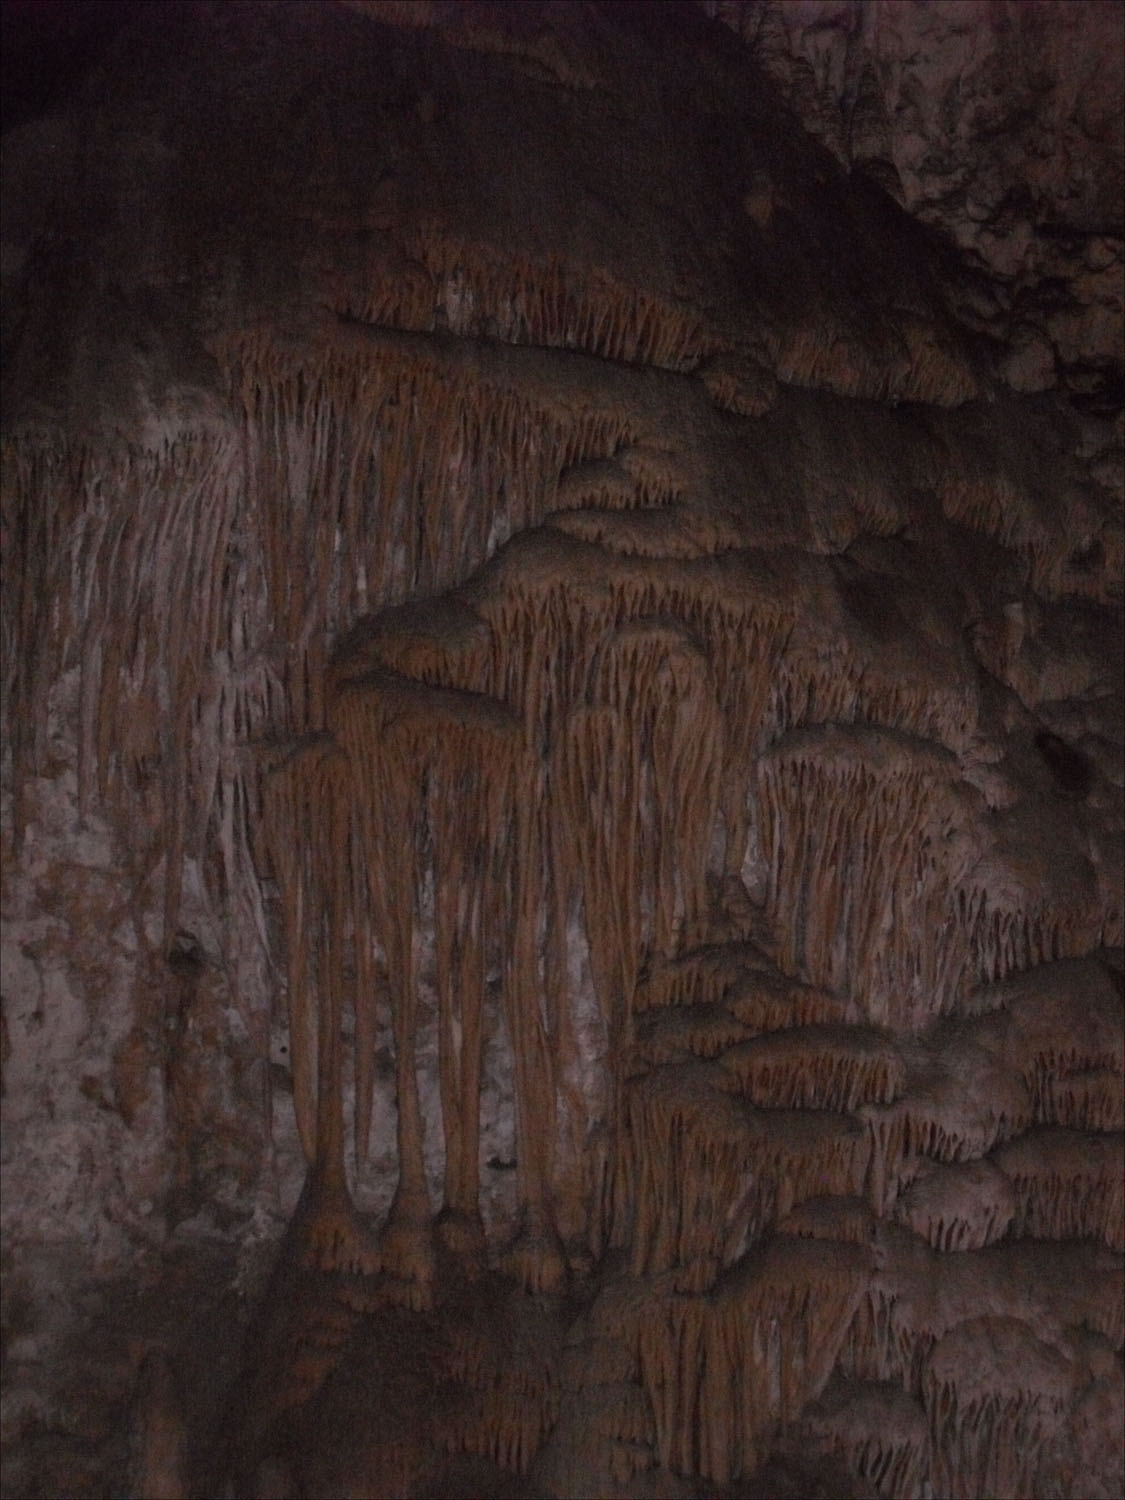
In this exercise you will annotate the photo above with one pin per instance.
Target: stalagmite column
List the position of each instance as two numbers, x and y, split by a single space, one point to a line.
384 752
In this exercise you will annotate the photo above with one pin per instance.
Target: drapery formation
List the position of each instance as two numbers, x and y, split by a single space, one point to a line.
652 684
521 802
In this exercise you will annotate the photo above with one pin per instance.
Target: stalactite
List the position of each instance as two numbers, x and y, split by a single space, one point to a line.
464 913
766 1000
1059 1024
433 771
672 1035
998 506
597 793
724 1372
918 1295
511 1389
104 530
708 1000
662 534
959 1101
656 679
817 1067
872 363
742 619
391 834
291 819
1068 1184
440 642
958 1207
738 608
638 477
702 976
634 788
692 1150
478 291
340 420
735 610
374 506
449 764
941 370
875 806
317 1329
1011 925
539 661
855 683
1006 499
695 1147
879 1432
995 1395
738 384
599 484
576 1182
659 474
308 808
849 1220
39 491
540 1034
651 689
604 1438
1093 1100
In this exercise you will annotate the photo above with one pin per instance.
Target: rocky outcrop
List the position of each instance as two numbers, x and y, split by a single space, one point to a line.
996 125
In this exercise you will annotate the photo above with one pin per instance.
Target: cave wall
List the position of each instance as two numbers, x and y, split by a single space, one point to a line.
562 660
995 124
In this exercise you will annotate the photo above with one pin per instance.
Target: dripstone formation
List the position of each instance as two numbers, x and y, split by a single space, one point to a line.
563 725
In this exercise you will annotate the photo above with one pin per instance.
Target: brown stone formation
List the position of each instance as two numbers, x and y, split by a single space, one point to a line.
563 728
